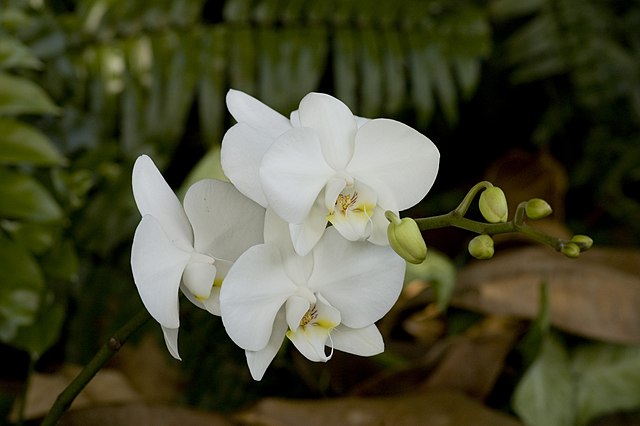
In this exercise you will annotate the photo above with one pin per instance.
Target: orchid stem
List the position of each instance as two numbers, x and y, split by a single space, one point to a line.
113 344
456 219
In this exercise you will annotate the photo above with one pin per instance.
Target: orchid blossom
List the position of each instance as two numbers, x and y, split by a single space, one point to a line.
329 298
189 249
326 165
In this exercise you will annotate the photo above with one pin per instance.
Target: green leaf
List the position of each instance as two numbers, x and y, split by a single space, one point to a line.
14 54
138 56
344 67
370 73
211 86
23 197
393 61
419 66
21 143
467 72
180 83
62 261
443 84
237 10
608 380
544 396
40 335
242 60
438 270
37 238
290 63
21 96
531 344
505 9
21 285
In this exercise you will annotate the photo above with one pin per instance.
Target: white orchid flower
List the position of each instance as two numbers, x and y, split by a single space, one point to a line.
326 165
330 298
189 249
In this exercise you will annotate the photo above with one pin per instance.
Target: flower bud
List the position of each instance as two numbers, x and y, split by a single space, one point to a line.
584 242
537 208
570 250
481 247
405 238
493 205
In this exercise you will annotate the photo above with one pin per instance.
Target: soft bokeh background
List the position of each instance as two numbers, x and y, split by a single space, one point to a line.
540 96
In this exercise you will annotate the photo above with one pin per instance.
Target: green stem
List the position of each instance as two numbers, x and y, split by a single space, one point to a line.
112 346
22 397
466 201
457 219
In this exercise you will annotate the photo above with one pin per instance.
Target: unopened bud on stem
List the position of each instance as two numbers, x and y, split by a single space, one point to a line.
405 238
570 250
584 242
537 208
493 205
481 247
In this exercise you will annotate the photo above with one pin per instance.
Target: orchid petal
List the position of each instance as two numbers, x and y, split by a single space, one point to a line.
247 109
294 117
225 222
241 154
258 361
293 172
306 235
310 339
334 124
379 226
359 279
352 229
198 278
334 187
212 304
352 211
157 266
171 340
276 232
154 197
361 121
366 341
402 158
295 309
252 293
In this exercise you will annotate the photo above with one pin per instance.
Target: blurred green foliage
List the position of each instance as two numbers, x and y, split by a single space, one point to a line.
88 85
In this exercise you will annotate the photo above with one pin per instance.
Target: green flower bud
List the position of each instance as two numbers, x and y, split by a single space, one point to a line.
584 242
481 247
570 250
493 205
537 208
405 238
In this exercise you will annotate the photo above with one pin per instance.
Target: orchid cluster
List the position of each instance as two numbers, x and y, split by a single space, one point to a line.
295 246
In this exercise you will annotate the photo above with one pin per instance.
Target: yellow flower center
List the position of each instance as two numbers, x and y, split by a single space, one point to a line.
309 316
346 201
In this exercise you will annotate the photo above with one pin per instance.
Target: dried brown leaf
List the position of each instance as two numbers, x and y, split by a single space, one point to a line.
596 295
482 351
141 364
523 175
442 408
107 387
140 414
425 325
